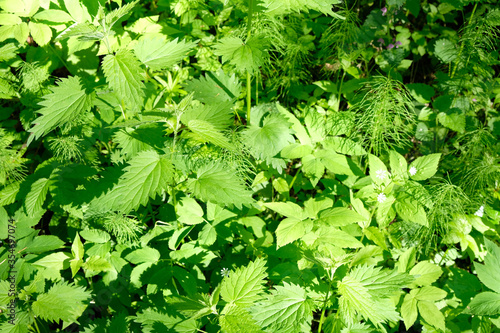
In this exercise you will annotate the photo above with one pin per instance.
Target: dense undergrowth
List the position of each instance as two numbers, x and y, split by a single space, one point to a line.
249 166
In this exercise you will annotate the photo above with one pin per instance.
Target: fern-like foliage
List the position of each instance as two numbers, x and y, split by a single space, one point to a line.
67 102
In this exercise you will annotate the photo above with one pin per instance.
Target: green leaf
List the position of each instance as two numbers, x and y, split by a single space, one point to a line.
289 230
159 54
189 211
421 92
63 301
44 243
409 210
453 119
313 168
123 74
118 13
235 319
378 170
485 304
144 255
489 273
425 273
219 184
95 265
36 196
286 310
245 285
41 33
219 116
337 163
54 261
344 146
267 141
77 10
445 50
409 311
246 57
147 175
53 16
288 209
67 102
206 132
337 237
214 88
339 216
399 166
429 293
95 236
424 167
431 314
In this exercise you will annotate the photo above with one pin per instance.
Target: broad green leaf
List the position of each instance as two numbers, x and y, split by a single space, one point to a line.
246 57
344 146
10 19
409 210
287 309
207 235
453 119
186 280
146 254
296 150
299 130
485 304
337 237
380 282
445 50
425 273
421 92
206 132
54 261
219 115
428 293
214 88
399 166
267 141
53 16
95 265
288 209
235 319
147 175
289 230
489 272
337 163
44 243
431 314
339 216
67 102
313 168
245 285
152 320
409 311
424 167
159 54
41 33
95 236
189 211
378 170
123 74
63 301
219 184
36 197
77 10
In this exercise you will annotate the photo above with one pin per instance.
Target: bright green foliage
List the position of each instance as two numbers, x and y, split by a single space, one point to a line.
123 74
63 301
215 87
147 175
67 102
36 196
245 286
158 54
287 309
235 319
244 56
218 183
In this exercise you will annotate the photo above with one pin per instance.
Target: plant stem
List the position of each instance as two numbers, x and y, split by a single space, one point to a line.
249 78
462 44
324 306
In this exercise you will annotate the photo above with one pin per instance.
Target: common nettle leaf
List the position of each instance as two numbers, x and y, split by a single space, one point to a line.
67 102
235 319
218 115
123 74
245 285
214 88
245 56
158 54
285 310
205 132
147 175
63 301
218 183
36 197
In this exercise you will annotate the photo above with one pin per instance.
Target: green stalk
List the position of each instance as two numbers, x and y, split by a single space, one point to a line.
249 78
462 44
321 319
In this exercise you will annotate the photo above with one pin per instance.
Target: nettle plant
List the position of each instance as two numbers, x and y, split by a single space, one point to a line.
156 185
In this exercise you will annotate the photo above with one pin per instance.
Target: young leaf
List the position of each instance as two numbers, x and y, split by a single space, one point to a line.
425 273
424 167
158 54
36 197
123 73
286 310
219 184
148 174
431 314
246 57
65 104
289 230
245 285
63 301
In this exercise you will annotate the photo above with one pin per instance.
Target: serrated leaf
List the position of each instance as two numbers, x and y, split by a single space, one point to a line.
245 285
214 88
344 146
424 167
339 216
337 237
158 54
147 175
95 236
431 314
453 119
206 132
67 102
288 209
429 293
41 33
289 230
409 311
44 243
36 196
63 301
219 184
267 141
246 57
337 163
286 310
445 50
485 304
489 272
235 319
123 74
425 273
144 255
219 115
118 13
95 265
